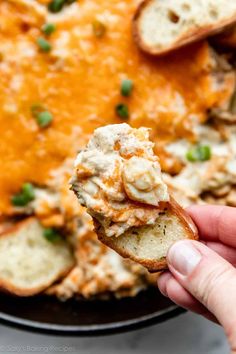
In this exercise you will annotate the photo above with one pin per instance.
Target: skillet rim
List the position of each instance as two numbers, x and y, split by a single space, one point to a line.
92 330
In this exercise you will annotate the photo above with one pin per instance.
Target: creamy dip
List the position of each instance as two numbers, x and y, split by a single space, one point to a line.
118 178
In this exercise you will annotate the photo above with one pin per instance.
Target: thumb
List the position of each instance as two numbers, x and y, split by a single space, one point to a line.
209 278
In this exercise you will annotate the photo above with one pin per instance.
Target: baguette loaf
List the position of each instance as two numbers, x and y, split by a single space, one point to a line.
160 27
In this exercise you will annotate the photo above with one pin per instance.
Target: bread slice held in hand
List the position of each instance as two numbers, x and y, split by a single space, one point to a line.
118 178
29 263
161 27
148 245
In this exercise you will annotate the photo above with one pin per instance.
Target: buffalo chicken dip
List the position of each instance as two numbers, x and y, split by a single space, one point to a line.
68 69
115 174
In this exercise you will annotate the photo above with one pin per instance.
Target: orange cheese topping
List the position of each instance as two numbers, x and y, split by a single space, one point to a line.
79 83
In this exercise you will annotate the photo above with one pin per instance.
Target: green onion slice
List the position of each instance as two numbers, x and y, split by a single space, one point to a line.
126 87
56 5
199 153
26 195
52 235
122 111
44 119
44 45
48 28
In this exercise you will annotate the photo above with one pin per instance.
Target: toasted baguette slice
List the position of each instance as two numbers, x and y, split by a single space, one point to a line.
163 26
28 262
148 245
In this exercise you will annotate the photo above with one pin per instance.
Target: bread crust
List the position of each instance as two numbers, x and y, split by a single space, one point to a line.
192 36
8 287
17 226
151 265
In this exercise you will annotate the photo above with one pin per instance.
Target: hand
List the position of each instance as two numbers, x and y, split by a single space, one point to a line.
202 276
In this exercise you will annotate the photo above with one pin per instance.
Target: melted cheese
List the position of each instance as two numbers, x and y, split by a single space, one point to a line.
79 83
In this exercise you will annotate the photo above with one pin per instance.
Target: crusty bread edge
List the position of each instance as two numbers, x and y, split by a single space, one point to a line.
16 226
192 37
152 266
7 287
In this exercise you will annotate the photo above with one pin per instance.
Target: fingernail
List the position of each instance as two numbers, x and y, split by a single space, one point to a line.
184 257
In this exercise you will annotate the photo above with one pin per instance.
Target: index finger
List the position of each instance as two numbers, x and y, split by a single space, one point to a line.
215 223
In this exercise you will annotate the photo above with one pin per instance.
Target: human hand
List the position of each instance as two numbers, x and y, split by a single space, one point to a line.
202 276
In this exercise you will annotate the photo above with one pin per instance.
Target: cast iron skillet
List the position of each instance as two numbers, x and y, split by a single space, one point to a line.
82 318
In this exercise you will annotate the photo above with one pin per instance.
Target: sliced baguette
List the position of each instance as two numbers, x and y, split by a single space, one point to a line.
148 245
28 262
161 27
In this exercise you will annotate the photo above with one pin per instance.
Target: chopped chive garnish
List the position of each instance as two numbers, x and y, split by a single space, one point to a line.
199 153
44 45
126 87
56 5
44 119
99 29
48 28
52 235
26 195
122 110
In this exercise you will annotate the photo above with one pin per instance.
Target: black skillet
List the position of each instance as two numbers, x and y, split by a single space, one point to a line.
85 318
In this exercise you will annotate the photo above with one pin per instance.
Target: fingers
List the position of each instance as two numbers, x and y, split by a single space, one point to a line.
169 287
215 223
208 278
228 253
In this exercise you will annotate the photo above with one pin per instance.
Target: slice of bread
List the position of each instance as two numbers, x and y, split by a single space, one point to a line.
28 262
148 245
160 27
